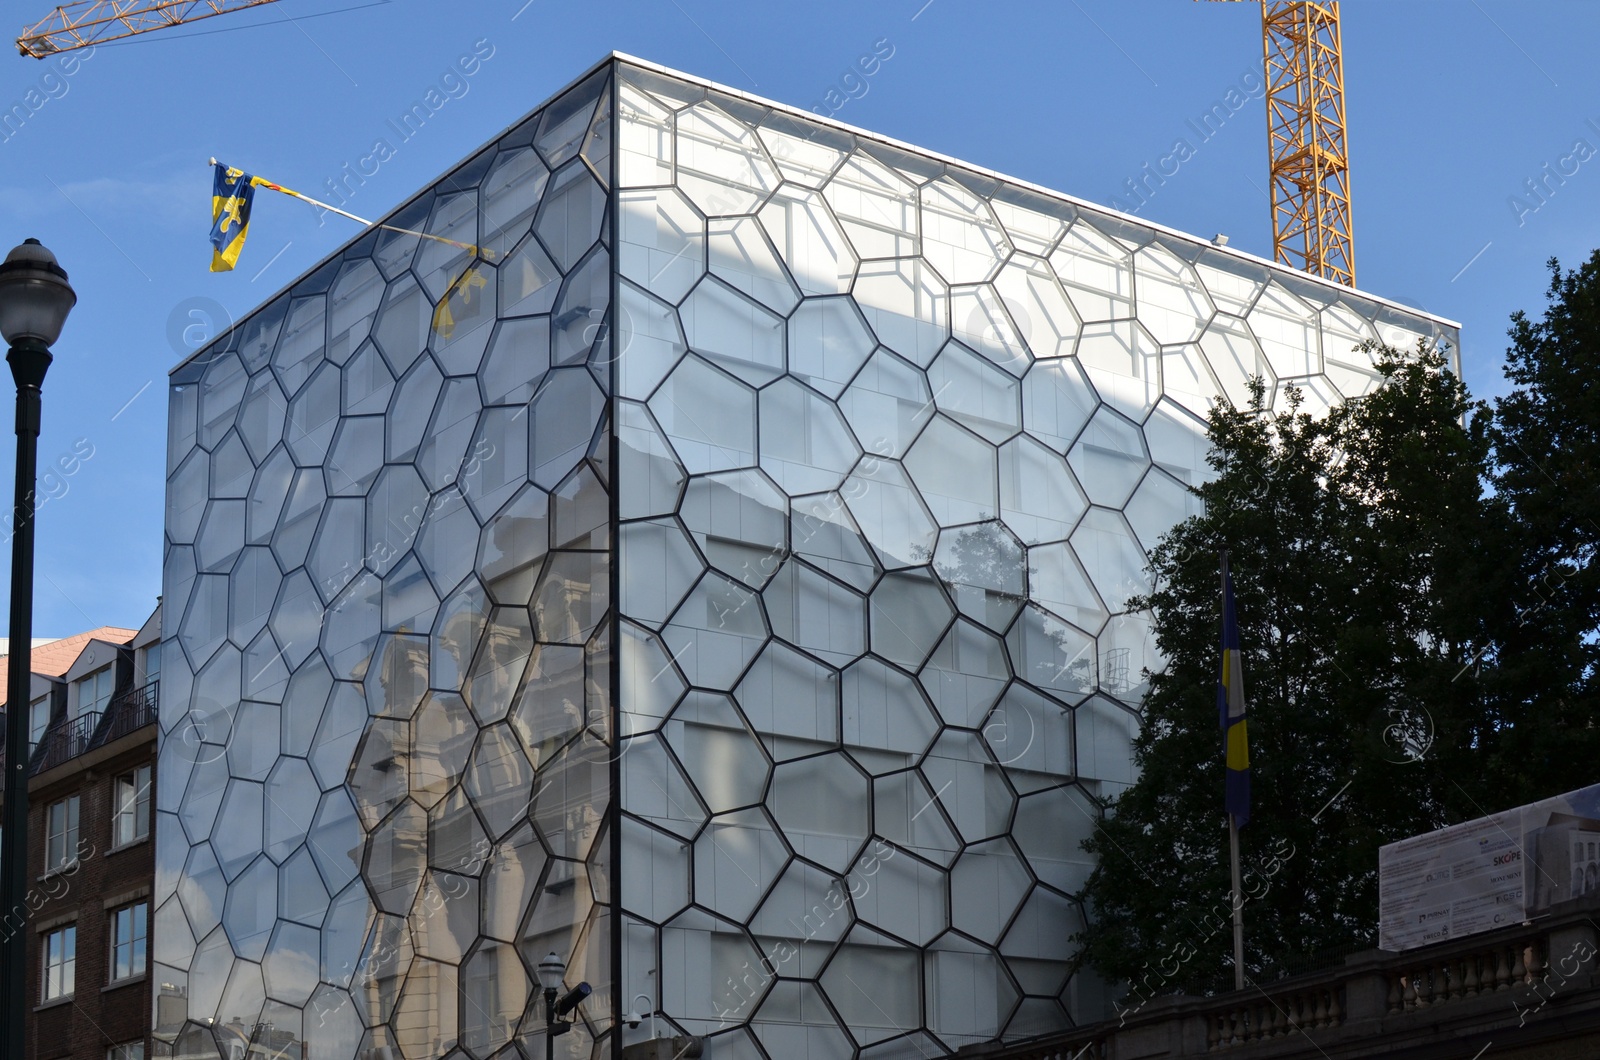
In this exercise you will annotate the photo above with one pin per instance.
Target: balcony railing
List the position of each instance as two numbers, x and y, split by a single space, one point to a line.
72 737
134 709
66 740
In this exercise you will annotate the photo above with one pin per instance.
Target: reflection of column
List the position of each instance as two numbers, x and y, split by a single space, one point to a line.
424 1034
455 640
384 778
419 1036
521 546
504 655
505 904
505 648
557 909
553 777
510 988
404 672
583 824
367 988
572 785
559 606
495 980
378 985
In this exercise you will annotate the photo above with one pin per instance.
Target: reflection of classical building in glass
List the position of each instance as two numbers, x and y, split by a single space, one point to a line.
718 577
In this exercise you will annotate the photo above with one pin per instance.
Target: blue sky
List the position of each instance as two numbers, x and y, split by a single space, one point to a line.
1453 106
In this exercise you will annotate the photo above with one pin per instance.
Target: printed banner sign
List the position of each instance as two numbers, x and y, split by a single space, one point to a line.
1479 875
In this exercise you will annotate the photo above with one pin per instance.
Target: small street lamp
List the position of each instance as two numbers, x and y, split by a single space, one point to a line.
35 299
551 971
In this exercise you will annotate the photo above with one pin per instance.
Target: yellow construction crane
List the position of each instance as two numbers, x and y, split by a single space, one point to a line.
1309 163
90 22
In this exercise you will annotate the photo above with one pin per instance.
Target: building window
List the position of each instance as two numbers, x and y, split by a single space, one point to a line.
94 691
61 834
38 719
60 960
128 936
130 820
129 1051
152 663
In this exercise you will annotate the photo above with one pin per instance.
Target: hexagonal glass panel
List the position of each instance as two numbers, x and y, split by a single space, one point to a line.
721 163
810 241
742 256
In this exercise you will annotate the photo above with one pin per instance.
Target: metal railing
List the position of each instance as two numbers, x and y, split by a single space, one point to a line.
134 709
67 739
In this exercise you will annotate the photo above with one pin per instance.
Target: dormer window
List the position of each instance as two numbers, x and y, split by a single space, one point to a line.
38 719
94 691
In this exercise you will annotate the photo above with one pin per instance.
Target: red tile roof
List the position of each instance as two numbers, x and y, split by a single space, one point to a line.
57 657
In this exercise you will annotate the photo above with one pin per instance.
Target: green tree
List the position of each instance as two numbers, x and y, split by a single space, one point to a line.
1367 558
1547 451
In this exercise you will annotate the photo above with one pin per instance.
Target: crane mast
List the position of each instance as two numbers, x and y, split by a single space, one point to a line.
1306 138
89 22
1309 164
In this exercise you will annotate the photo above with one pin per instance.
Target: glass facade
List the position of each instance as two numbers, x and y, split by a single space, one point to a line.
708 560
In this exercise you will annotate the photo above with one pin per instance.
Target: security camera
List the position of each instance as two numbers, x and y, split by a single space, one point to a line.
633 1018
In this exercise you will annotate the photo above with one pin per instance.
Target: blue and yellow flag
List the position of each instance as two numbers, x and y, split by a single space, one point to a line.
1231 708
231 193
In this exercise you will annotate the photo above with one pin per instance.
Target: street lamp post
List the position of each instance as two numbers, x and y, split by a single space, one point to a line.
551 971
35 299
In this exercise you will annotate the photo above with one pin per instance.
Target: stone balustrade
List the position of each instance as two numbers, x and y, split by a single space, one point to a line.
1533 990
1448 976
1275 1014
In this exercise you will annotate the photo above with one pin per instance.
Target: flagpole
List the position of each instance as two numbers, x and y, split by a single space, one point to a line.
1233 855
264 183
1238 905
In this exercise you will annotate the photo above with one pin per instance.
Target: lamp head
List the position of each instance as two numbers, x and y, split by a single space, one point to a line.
551 971
35 296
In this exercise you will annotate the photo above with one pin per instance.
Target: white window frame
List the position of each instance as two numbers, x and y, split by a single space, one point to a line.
37 727
59 950
95 691
61 834
152 653
130 807
126 1051
130 942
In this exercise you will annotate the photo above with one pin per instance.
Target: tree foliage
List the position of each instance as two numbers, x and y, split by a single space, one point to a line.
1371 571
1547 450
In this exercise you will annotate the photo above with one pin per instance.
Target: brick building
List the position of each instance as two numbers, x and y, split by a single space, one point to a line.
91 860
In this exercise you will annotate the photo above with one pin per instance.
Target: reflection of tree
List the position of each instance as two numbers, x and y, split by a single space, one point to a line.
983 557
985 570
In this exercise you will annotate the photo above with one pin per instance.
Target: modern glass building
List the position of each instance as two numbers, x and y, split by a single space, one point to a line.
708 560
